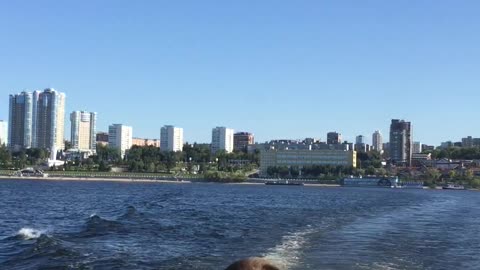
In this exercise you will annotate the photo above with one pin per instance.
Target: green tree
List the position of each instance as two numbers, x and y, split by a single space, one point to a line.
5 157
151 167
103 167
452 174
272 171
469 175
433 174
283 171
294 171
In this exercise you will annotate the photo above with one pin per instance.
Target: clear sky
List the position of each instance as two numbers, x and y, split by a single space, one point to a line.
279 69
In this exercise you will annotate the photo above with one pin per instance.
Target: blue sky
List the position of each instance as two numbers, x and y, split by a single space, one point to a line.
279 69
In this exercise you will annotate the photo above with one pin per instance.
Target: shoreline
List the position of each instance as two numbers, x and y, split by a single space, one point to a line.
92 179
140 180
163 181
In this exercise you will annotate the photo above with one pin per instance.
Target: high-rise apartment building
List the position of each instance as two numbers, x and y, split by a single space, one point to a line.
37 120
334 138
20 121
83 130
171 139
360 139
241 141
401 142
416 147
377 141
3 133
48 129
222 139
467 142
120 137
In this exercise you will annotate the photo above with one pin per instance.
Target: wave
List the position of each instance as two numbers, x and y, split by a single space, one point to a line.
131 213
287 253
44 252
29 233
97 226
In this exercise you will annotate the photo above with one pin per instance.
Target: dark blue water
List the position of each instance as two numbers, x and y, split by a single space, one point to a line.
106 225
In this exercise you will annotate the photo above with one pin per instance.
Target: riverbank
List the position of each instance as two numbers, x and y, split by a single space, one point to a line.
91 179
138 180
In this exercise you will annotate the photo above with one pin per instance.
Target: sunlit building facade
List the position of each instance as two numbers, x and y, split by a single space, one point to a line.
83 130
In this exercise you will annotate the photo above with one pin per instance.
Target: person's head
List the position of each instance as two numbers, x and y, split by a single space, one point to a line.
252 264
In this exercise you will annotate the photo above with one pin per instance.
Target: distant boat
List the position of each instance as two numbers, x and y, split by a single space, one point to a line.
453 187
283 183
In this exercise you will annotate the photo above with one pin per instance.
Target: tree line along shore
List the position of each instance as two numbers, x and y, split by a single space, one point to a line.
197 162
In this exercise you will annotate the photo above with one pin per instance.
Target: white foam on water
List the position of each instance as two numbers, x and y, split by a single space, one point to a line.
29 233
287 254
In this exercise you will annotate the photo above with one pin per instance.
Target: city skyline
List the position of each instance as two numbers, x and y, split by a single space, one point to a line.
29 114
332 137
277 69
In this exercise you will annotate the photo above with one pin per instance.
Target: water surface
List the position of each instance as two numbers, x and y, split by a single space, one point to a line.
108 225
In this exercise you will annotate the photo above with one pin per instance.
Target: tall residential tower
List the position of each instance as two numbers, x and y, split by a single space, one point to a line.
401 142
377 141
83 130
120 137
334 138
3 133
48 129
222 139
171 139
20 121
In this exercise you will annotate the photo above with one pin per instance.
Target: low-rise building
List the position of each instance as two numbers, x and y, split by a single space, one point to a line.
426 147
419 159
102 138
145 142
241 141
305 157
445 145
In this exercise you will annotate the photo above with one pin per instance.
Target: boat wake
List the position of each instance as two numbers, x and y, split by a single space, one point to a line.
287 254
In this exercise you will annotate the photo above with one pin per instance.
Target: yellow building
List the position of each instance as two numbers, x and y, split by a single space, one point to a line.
304 157
83 130
146 142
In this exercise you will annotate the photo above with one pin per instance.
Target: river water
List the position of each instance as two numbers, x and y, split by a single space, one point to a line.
112 225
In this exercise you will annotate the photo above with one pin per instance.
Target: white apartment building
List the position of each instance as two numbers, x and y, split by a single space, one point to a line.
416 147
377 141
171 139
3 133
222 139
120 137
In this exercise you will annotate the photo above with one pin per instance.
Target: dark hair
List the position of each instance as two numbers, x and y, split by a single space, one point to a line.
252 264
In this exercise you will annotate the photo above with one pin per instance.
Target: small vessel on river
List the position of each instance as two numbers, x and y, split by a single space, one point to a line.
454 187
